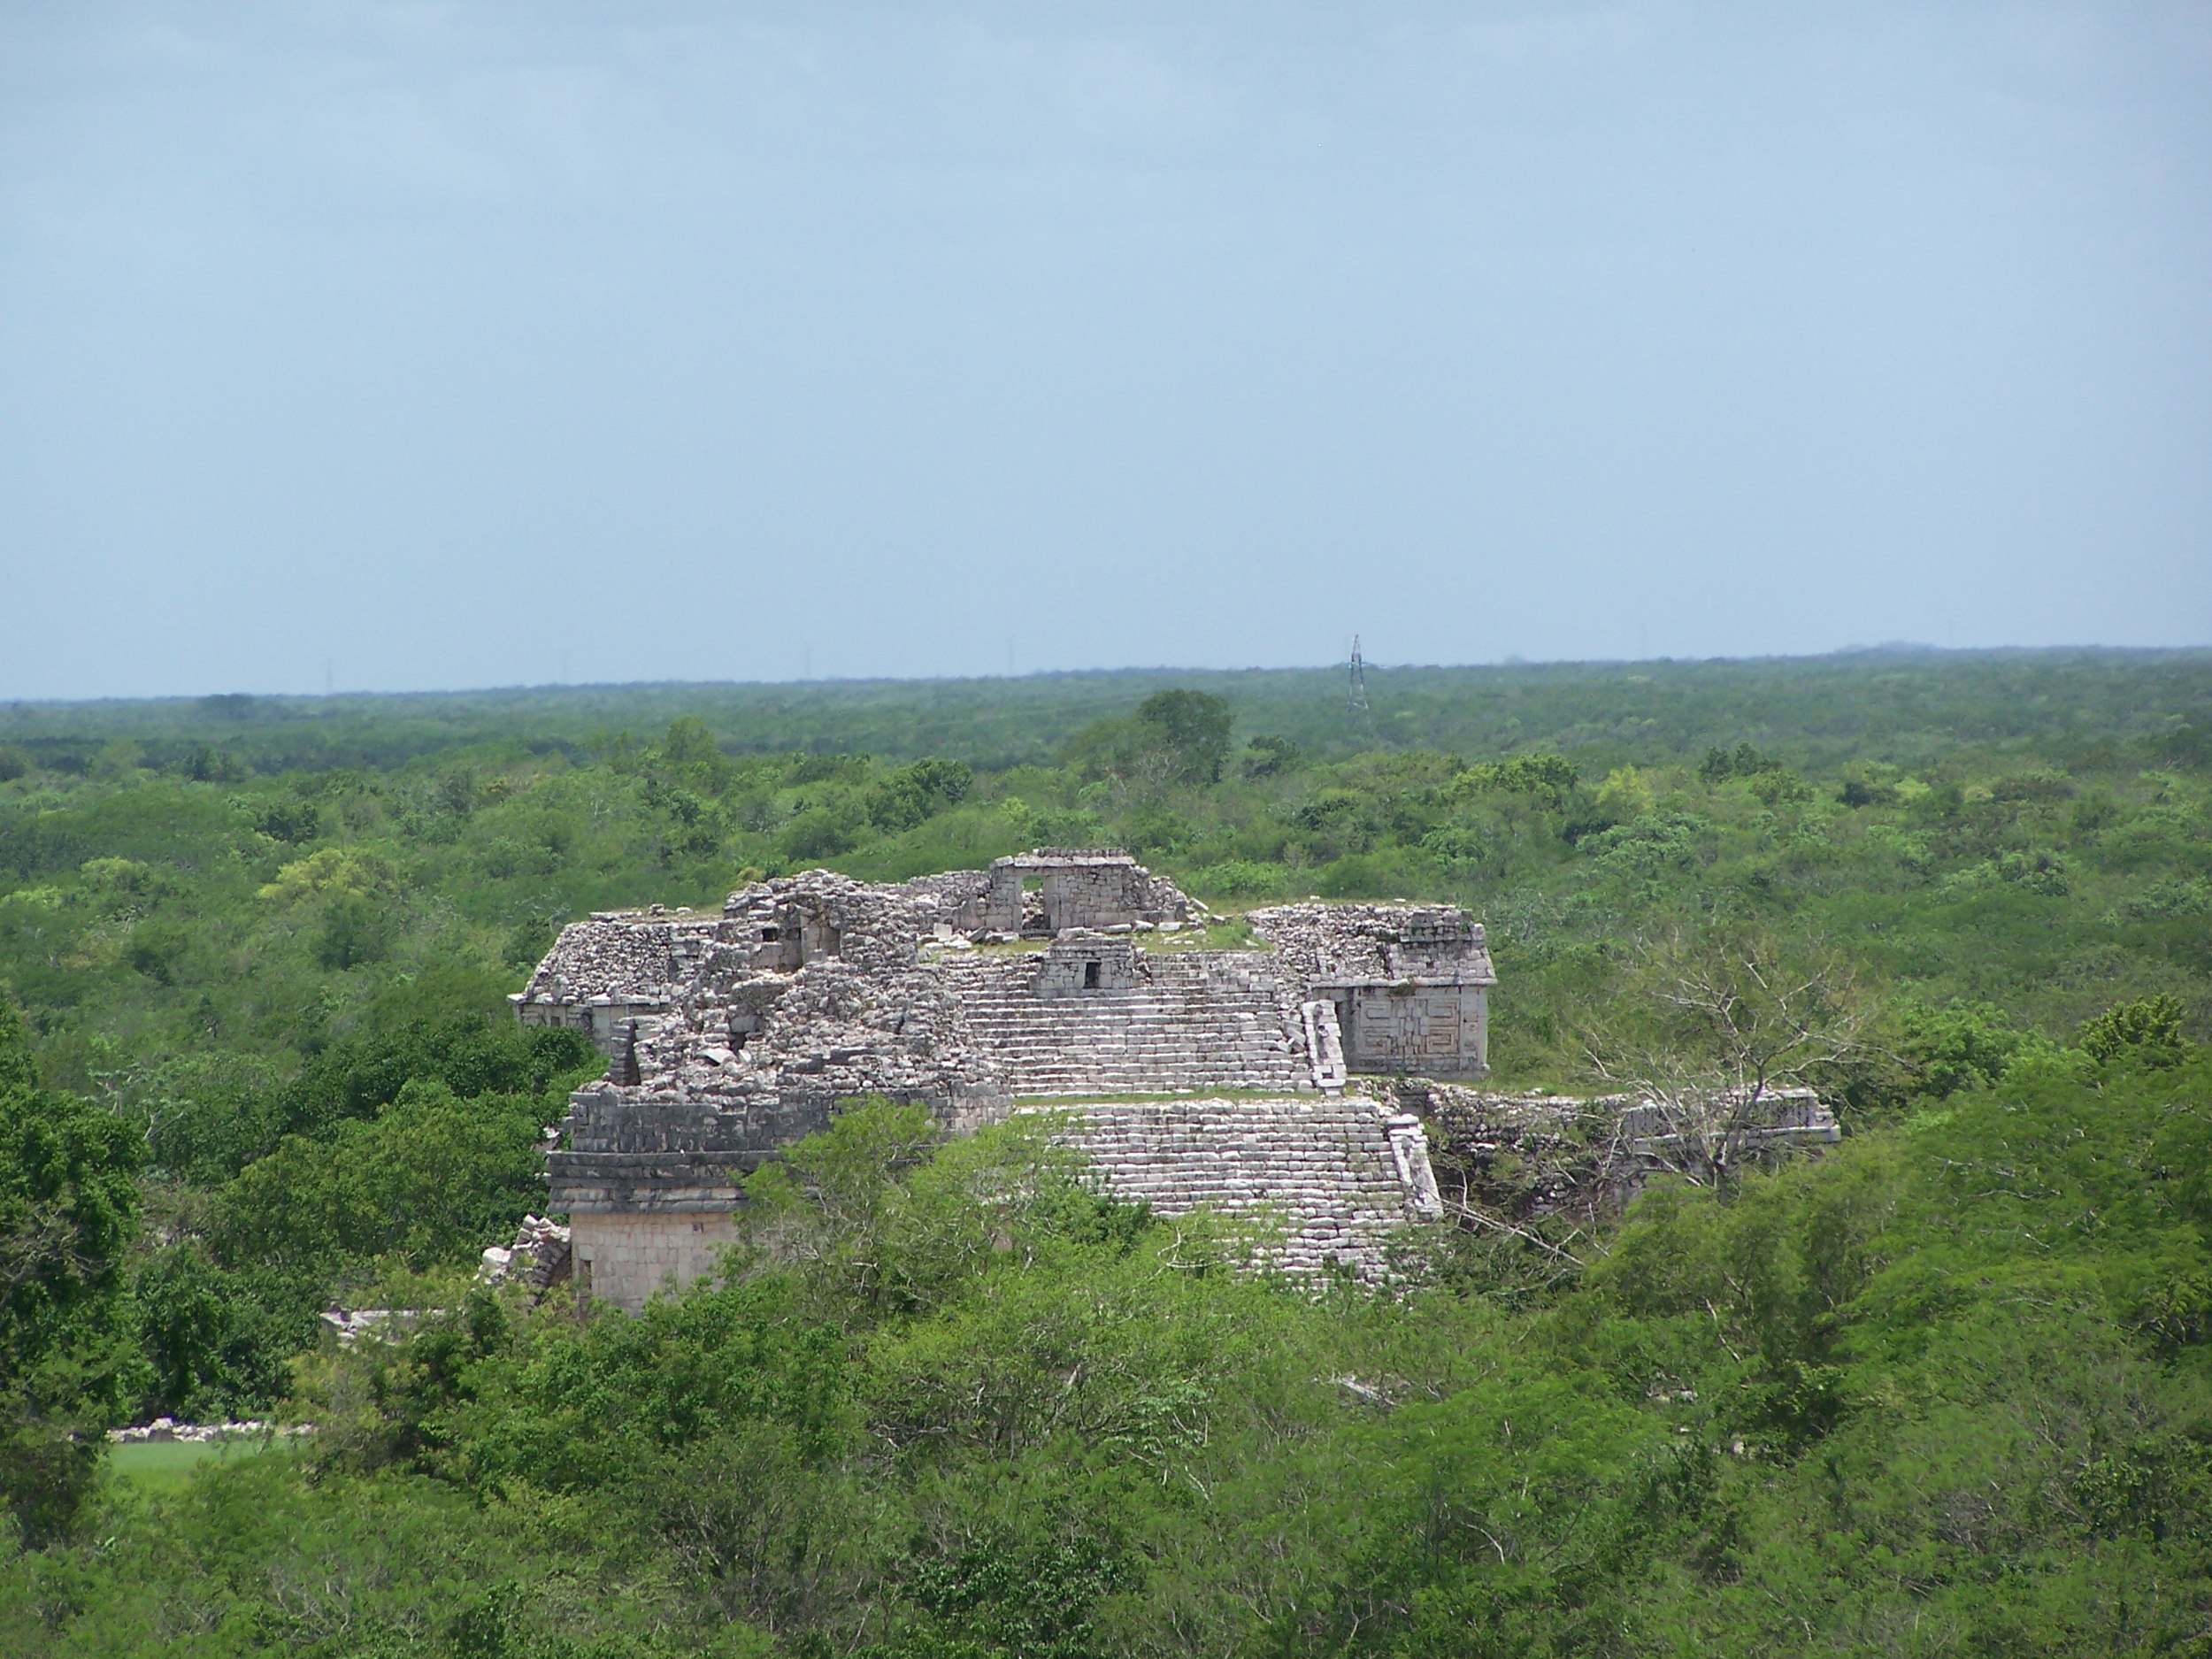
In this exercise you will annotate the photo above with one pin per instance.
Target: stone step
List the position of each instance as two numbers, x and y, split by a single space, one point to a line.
1323 1168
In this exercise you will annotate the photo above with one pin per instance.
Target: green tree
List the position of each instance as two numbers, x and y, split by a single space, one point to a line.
288 818
1962 1045
690 753
432 1178
1743 761
470 1054
68 1212
2148 1031
913 795
1188 731
1552 776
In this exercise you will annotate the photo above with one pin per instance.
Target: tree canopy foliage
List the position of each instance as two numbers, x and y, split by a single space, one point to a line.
1941 1390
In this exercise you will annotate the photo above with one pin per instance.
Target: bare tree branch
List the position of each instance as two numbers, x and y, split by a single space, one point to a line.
1715 1031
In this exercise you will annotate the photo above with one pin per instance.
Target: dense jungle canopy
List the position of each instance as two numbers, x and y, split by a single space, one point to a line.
1945 1389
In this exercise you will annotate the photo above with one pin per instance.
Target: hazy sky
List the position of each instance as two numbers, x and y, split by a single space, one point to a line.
436 346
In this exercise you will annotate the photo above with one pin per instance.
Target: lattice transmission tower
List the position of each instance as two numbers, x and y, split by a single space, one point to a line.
1355 700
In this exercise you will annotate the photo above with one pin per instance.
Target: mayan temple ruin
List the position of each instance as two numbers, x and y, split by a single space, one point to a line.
1068 979
1190 1075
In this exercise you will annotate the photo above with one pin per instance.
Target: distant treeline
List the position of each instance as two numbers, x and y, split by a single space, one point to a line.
2085 706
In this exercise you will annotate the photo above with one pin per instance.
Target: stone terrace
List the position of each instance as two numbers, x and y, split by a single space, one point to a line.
1338 1174
1192 1022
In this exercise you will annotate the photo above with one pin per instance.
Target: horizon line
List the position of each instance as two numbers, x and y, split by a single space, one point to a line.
1886 648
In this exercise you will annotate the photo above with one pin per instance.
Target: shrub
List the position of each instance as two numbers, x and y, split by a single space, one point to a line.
1962 1046
1241 878
2147 1032
288 819
817 832
1720 765
357 929
1551 775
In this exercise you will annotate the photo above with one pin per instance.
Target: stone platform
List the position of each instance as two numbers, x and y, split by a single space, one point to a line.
1337 1174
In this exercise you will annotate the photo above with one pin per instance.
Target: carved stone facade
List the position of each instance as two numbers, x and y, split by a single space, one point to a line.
1410 983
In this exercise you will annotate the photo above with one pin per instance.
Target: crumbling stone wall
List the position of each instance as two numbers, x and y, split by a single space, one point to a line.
1094 887
1530 1156
1382 943
809 990
539 1258
616 966
1079 961
957 902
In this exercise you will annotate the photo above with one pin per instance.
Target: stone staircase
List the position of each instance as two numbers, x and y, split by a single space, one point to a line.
1194 1025
1334 1176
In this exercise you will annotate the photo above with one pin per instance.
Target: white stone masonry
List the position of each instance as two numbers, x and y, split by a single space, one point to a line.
1338 1174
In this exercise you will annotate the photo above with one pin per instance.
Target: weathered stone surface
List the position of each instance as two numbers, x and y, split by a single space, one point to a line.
1098 886
731 1037
615 967
536 1261
623 1259
1338 1176
1522 1157
1155 1024
1384 943
1410 982
809 990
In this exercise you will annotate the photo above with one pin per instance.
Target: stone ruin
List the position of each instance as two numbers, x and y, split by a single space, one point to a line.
1189 1075
1097 888
537 1260
1529 1157
1406 985
168 1431
615 967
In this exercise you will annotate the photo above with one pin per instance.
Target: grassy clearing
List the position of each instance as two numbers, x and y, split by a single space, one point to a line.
166 1465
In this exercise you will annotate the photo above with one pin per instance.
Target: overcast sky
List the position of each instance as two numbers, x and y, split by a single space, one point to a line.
425 346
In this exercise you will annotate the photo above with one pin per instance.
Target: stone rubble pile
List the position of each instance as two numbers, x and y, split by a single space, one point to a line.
810 989
381 1325
637 954
166 1430
537 1260
1337 943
